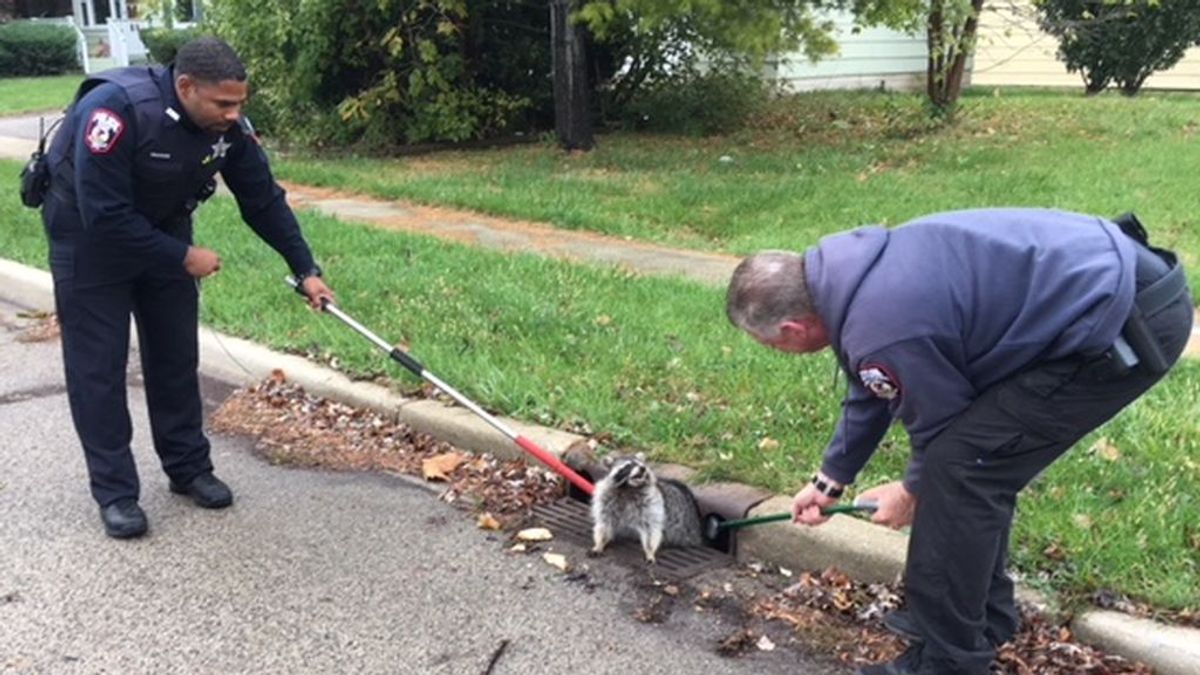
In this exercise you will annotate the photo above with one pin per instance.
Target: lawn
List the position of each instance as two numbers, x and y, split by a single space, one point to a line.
37 94
652 364
826 162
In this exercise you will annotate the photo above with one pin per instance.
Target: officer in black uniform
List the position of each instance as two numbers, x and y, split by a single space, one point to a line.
139 148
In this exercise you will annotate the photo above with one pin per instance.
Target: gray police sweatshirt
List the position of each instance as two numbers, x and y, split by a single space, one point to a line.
925 317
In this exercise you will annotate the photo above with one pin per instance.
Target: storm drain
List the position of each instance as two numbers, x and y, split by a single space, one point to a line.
570 519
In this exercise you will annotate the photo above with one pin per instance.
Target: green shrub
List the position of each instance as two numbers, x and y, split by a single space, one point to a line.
372 72
1120 41
697 103
162 43
29 48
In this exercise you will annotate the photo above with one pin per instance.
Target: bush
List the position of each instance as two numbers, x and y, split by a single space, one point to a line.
697 103
372 72
30 48
163 43
1120 41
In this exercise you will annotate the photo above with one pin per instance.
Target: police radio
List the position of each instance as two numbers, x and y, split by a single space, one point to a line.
35 176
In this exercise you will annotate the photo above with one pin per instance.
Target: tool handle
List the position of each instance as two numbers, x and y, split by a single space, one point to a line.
866 507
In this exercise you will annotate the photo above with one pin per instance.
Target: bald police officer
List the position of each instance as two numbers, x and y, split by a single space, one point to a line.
999 337
138 150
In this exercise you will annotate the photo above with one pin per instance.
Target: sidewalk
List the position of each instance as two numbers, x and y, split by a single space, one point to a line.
866 551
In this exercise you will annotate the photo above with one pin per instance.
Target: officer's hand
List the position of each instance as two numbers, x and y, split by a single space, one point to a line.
201 262
316 290
807 505
896 505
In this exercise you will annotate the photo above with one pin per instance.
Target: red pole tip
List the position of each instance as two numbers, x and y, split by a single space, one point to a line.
555 464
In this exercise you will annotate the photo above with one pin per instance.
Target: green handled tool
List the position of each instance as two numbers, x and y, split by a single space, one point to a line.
713 525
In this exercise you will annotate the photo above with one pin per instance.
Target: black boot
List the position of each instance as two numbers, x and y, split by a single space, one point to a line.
900 622
206 490
124 519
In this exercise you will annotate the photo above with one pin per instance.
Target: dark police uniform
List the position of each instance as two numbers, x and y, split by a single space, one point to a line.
994 335
126 168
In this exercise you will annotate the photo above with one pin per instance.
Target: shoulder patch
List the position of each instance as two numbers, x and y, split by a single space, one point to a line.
104 128
876 378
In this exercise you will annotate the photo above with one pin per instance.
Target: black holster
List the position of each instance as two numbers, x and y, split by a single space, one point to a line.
1137 344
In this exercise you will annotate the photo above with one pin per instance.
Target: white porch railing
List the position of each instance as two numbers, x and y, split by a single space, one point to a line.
125 43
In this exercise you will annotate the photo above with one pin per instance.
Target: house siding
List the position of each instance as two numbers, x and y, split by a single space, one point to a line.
870 59
1012 50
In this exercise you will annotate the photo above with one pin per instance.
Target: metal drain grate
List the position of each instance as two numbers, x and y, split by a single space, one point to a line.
570 519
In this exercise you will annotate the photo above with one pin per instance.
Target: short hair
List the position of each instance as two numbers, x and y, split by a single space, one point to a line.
210 60
766 289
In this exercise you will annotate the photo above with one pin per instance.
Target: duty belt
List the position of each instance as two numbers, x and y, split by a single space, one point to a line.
1137 343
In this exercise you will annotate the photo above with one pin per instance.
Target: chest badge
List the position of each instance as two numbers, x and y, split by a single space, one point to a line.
104 129
879 381
218 151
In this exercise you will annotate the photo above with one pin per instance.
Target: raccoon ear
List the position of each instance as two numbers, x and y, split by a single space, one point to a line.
641 456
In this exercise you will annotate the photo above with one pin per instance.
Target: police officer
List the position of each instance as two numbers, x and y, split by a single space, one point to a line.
138 149
999 338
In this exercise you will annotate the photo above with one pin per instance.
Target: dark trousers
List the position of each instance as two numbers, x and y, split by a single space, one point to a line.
95 339
958 590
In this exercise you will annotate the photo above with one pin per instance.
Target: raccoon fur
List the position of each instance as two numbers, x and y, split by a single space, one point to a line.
630 499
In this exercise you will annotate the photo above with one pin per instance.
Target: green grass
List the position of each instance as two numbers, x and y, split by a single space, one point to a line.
651 363
822 163
37 94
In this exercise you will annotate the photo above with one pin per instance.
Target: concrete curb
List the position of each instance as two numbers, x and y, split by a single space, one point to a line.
865 551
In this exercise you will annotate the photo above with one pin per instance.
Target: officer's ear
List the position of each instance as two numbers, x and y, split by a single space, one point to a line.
186 86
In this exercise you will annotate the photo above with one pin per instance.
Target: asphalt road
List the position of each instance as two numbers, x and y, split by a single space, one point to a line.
308 572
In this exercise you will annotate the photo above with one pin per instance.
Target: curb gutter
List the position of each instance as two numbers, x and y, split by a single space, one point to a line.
862 550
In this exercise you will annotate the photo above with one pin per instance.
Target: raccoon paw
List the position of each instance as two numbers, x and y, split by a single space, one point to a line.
593 553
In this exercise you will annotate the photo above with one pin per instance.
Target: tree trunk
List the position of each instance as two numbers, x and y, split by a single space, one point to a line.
948 55
1094 83
572 107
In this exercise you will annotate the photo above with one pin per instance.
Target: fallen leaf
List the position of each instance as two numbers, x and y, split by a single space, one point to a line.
556 560
603 320
671 590
1106 450
535 534
765 644
1083 521
439 467
1054 552
736 643
518 548
487 522
768 444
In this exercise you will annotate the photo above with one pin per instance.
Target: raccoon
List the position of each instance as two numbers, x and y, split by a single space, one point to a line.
631 499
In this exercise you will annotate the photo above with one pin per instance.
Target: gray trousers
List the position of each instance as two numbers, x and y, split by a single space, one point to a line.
958 590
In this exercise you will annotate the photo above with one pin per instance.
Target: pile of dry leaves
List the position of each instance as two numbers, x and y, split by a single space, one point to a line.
299 429
832 610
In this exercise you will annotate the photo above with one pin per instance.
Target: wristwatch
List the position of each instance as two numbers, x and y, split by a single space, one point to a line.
314 272
827 488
